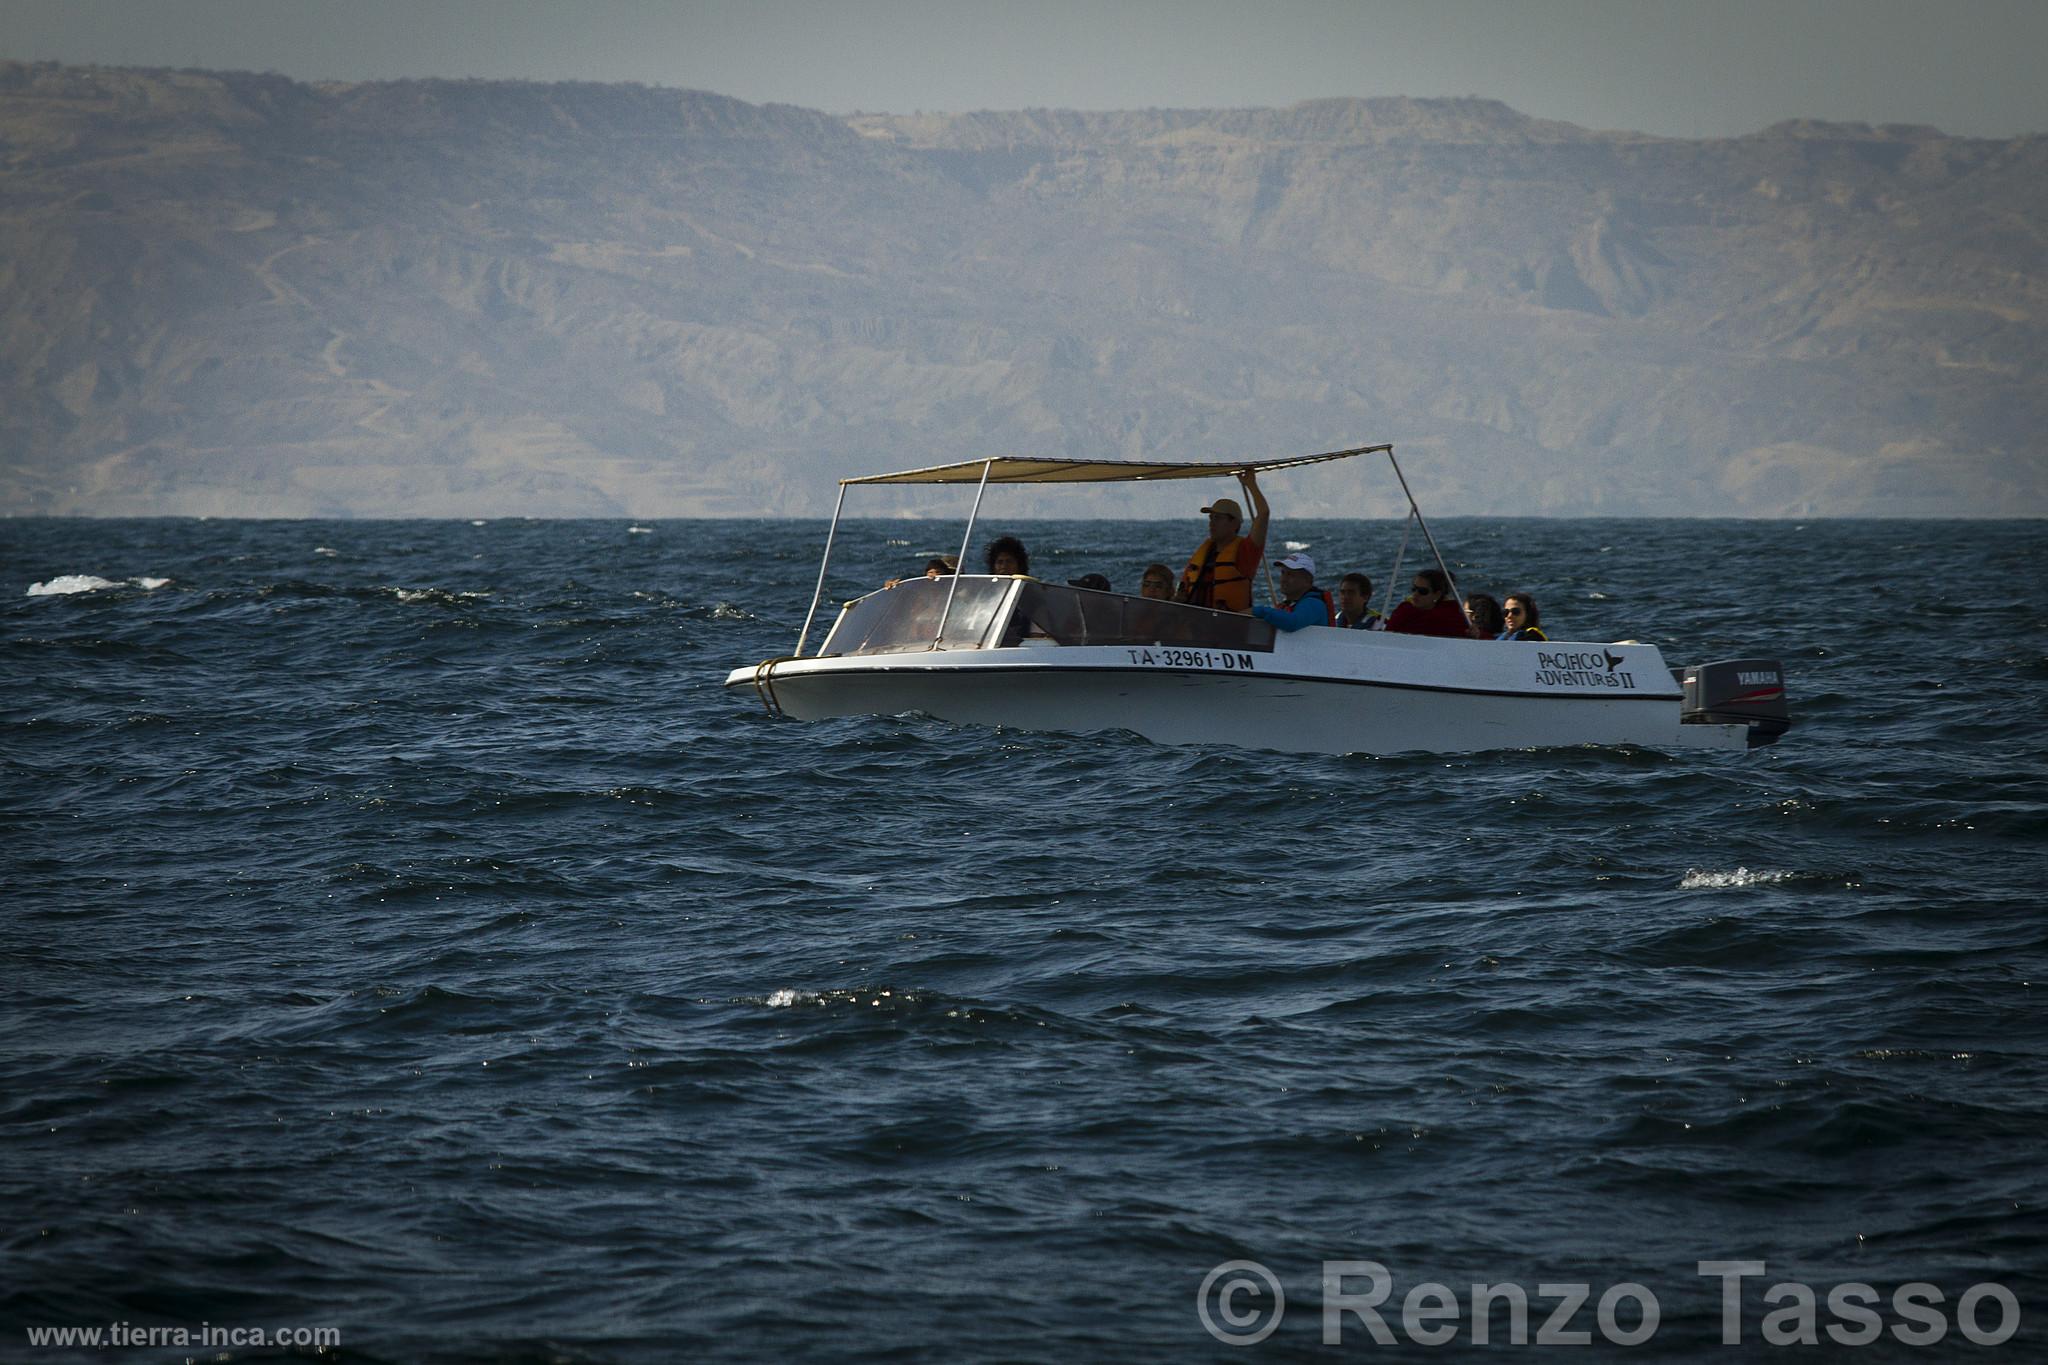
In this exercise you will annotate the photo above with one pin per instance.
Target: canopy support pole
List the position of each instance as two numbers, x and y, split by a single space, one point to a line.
1417 510
1394 574
817 596
960 565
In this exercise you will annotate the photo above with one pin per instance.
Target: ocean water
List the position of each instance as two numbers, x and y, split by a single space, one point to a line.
404 935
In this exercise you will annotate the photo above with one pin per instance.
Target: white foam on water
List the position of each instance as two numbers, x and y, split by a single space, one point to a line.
639 530
70 582
886 998
478 521
1699 879
1296 544
325 550
150 583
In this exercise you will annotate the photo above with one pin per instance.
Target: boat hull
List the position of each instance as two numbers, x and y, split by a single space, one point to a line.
1332 695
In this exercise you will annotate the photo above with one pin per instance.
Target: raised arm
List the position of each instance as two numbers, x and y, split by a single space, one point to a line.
1261 513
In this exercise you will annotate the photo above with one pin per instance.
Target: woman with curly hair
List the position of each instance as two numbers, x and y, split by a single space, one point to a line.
1006 555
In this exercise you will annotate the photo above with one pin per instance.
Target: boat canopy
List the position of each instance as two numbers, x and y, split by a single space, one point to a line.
1019 469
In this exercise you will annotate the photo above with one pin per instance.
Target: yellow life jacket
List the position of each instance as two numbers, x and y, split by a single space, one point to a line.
1212 578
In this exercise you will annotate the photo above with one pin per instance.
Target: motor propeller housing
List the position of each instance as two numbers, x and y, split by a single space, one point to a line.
1737 692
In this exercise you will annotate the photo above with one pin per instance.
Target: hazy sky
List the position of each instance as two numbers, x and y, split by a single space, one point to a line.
1693 68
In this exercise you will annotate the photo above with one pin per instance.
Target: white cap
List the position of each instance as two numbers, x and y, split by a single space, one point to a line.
1299 560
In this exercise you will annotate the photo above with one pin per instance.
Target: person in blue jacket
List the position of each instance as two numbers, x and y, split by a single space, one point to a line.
1303 603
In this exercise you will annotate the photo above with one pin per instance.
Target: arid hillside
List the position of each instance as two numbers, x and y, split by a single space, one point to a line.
239 294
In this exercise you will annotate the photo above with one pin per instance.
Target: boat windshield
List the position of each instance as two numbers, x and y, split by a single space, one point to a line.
905 618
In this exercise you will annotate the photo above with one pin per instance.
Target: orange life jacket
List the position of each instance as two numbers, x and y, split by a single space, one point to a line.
1329 606
1212 578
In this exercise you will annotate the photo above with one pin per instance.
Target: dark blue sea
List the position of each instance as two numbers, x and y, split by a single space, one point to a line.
405 935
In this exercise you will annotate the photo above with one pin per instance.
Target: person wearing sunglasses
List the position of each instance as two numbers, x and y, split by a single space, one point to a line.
1430 609
1521 617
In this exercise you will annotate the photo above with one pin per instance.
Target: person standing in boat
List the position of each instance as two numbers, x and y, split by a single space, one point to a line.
1430 609
1303 604
1221 572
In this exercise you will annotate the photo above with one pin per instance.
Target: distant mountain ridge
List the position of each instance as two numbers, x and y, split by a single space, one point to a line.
230 293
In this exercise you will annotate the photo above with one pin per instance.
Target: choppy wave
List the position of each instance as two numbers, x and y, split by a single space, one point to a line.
64 585
70 583
881 998
1697 879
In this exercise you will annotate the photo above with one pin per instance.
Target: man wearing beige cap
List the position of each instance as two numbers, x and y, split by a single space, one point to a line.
1221 572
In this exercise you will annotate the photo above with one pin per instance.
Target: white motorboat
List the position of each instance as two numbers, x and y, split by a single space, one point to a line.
1019 652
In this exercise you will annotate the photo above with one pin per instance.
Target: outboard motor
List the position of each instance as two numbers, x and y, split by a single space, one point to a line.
1737 692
